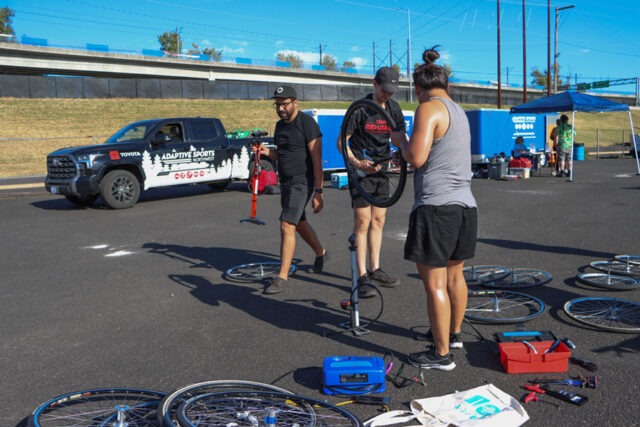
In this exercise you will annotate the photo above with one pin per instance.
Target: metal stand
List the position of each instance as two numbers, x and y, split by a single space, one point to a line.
354 303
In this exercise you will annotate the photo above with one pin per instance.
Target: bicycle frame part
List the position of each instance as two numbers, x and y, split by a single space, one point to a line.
254 193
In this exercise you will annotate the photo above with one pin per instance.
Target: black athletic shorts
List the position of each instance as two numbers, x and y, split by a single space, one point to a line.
295 194
375 185
438 234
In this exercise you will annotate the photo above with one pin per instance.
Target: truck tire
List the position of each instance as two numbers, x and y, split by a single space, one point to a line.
82 201
120 189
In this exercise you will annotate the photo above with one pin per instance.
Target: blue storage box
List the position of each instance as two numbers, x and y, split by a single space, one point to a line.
339 180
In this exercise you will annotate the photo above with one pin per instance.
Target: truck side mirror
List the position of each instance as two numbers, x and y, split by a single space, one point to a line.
162 138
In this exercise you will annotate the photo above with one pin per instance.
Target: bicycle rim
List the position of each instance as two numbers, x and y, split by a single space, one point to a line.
393 173
608 314
478 274
252 408
631 259
167 412
501 307
608 281
617 267
520 278
256 272
99 407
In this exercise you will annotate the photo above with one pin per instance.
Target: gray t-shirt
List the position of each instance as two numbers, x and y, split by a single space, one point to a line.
445 178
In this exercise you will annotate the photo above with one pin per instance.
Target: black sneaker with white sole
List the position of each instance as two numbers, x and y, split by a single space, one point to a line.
430 359
455 340
382 278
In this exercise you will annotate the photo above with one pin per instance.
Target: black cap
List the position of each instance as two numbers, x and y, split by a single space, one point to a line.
285 92
388 78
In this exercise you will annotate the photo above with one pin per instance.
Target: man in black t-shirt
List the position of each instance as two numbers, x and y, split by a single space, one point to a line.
298 141
368 135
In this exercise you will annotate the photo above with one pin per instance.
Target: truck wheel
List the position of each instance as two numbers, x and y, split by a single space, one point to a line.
82 201
120 189
266 165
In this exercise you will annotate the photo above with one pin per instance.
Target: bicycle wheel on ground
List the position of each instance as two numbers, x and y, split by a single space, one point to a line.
617 267
501 307
384 187
631 259
256 272
608 281
608 314
168 408
252 408
478 274
520 278
99 407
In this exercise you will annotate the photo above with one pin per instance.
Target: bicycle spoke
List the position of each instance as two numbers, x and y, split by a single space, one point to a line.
520 278
502 307
99 407
170 404
608 281
609 314
252 408
478 274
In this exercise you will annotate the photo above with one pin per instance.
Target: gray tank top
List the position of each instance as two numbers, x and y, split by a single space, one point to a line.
445 178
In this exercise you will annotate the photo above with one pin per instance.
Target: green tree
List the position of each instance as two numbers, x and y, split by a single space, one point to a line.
211 52
539 78
329 63
348 64
171 43
294 60
6 15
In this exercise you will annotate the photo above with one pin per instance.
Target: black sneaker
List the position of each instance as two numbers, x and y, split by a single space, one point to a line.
365 288
430 359
320 261
382 278
277 285
455 340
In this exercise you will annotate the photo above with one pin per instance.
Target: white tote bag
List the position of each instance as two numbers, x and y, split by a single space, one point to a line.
481 406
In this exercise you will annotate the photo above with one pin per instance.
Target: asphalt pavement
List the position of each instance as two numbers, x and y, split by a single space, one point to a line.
138 298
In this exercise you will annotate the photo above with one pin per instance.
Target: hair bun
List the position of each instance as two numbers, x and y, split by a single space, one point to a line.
430 56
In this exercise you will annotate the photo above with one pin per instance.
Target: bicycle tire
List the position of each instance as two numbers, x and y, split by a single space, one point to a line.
478 274
519 278
394 169
502 307
608 281
168 408
99 407
631 259
255 272
605 313
250 408
617 267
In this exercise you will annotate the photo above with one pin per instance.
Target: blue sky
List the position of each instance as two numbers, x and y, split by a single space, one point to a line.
597 40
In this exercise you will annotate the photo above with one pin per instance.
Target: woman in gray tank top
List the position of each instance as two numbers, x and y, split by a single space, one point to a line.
443 222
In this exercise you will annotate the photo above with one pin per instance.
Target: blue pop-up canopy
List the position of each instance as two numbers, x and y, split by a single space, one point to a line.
576 102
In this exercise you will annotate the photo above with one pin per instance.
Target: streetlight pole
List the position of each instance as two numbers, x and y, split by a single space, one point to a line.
499 67
409 55
555 51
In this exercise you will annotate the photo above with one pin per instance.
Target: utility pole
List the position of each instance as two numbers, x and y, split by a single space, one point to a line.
320 63
555 51
390 53
374 57
499 67
409 56
524 51
548 47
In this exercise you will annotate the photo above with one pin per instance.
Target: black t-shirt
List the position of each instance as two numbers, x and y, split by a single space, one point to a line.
291 139
369 129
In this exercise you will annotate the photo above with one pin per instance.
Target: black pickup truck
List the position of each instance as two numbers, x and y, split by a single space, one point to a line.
150 154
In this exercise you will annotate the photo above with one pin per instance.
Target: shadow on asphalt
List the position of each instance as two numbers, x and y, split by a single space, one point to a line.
527 246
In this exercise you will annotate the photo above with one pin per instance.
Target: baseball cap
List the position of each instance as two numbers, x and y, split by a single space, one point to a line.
388 78
285 92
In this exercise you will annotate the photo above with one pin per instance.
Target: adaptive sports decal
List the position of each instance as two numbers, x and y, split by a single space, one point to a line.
193 166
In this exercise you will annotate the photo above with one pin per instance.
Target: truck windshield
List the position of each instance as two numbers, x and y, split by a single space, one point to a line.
130 133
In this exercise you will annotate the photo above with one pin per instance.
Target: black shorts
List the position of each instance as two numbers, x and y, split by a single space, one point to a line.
375 185
295 194
438 234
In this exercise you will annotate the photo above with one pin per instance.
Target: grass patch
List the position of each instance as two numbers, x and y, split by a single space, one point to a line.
32 128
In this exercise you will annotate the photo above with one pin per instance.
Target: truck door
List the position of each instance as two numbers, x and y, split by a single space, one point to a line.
170 161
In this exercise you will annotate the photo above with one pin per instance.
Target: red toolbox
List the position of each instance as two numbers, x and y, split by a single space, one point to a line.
519 357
